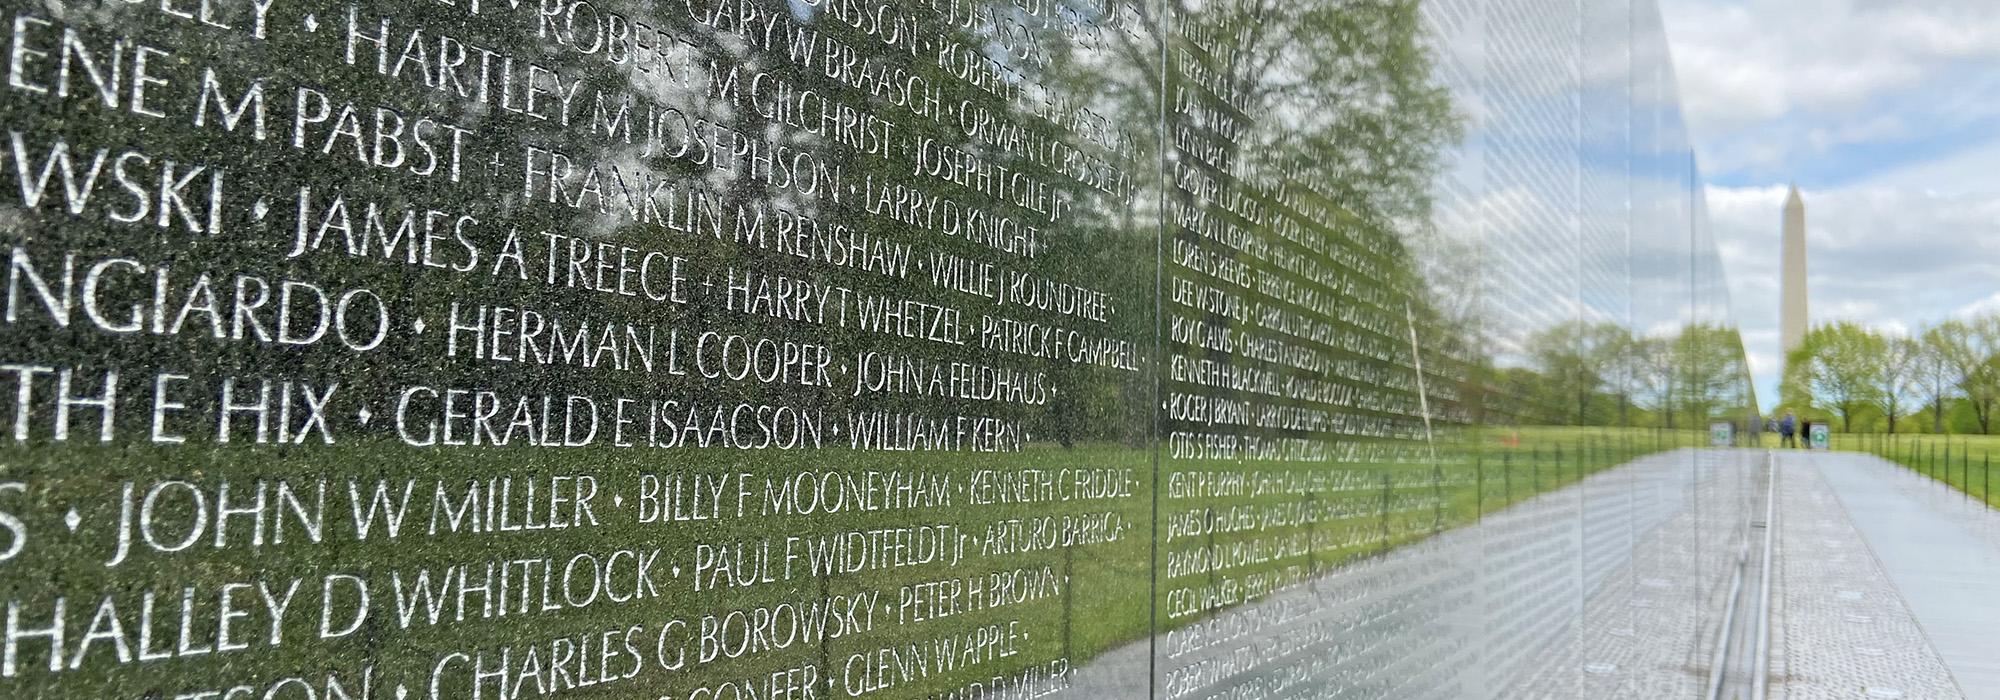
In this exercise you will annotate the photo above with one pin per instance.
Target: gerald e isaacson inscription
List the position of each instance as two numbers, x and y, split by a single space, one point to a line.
529 348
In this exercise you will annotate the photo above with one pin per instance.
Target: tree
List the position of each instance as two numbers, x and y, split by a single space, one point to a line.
1625 370
1935 376
1970 348
1840 365
1902 374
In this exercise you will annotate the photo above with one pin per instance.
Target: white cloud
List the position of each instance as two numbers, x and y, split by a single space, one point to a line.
1774 87
1742 62
1869 130
1968 169
1983 307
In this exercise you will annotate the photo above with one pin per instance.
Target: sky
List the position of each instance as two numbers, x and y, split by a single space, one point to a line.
1886 114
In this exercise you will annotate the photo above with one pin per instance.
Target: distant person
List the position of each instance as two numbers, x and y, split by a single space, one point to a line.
1805 433
1787 428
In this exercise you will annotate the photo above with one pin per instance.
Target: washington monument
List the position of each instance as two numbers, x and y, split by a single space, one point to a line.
1792 314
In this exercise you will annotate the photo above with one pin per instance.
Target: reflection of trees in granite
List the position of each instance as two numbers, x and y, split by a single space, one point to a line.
1575 360
1324 99
1591 374
1315 130
1713 378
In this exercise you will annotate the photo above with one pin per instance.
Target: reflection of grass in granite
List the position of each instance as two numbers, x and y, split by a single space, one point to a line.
1561 456
1105 603
1477 472
1552 455
1108 580
1538 459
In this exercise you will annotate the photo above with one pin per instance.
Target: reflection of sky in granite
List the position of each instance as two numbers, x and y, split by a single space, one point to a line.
1633 154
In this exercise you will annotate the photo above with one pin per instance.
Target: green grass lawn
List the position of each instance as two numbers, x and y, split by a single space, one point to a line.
1965 462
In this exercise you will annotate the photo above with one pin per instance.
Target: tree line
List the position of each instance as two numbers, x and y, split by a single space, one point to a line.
1943 378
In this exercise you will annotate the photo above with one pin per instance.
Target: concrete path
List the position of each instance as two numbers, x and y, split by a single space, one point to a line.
1938 551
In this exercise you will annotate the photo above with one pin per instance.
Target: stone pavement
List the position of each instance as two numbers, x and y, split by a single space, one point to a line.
1940 554
1840 628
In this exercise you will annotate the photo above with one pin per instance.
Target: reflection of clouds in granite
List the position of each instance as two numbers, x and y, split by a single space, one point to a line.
1616 200
1519 288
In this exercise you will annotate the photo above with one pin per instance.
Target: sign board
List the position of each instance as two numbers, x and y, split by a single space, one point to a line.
1721 434
1821 437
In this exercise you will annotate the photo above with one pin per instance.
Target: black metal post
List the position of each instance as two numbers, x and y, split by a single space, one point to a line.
1535 470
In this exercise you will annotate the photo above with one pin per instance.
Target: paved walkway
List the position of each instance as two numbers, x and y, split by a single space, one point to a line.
1911 568
1840 627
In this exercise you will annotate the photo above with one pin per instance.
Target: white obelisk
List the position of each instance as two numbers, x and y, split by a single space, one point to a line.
1792 313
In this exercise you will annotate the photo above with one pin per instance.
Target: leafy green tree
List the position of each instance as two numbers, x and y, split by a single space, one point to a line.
1902 377
1970 348
1625 369
1935 376
1840 365
1659 375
